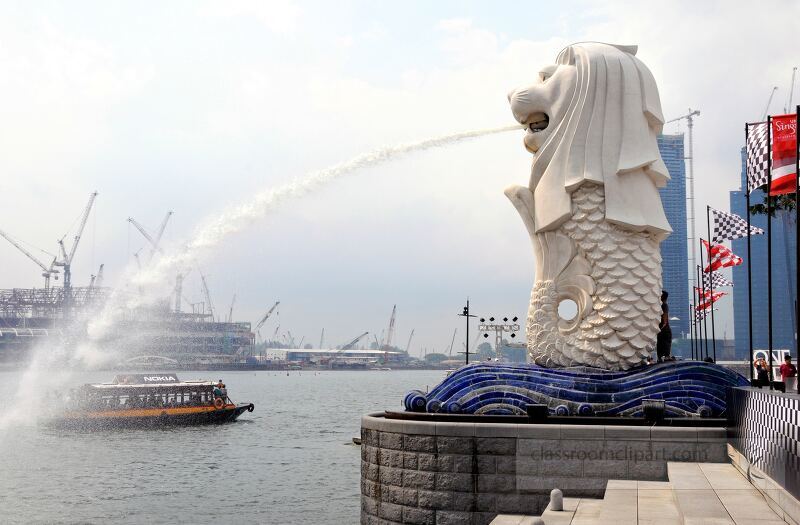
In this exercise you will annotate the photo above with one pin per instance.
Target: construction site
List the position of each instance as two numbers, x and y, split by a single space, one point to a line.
161 333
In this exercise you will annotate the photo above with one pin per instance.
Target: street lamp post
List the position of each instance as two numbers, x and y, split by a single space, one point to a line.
465 314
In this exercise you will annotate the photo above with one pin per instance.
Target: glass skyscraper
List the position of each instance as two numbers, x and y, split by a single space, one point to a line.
784 267
675 265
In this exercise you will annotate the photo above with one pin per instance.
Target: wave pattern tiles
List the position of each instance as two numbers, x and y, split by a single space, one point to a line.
688 388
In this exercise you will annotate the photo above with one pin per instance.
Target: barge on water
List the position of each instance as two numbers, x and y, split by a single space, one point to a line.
148 400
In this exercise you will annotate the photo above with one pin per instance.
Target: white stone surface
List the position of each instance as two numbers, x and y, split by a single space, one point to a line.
592 206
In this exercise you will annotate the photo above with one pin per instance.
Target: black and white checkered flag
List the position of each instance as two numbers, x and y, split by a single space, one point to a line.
757 155
716 280
699 315
729 226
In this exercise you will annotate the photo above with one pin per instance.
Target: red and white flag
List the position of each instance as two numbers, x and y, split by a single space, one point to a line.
709 300
784 155
720 256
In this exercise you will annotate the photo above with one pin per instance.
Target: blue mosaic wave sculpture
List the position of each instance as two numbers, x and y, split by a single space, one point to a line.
689 388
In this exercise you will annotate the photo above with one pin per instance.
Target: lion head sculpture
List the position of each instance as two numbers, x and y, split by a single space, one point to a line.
592 205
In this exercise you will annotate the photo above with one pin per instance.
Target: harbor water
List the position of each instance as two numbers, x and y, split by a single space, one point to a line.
291 461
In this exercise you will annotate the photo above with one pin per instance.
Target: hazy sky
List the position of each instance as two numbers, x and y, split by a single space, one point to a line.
194 106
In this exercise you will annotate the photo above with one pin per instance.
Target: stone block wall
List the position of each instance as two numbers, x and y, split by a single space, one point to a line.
441 473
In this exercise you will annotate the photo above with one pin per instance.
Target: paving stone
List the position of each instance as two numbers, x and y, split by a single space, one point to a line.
697 505
658 505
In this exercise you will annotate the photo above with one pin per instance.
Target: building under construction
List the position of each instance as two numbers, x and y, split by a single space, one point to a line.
59 316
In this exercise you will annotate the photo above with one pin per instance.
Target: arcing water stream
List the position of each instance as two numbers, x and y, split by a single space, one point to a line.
207 236
41 375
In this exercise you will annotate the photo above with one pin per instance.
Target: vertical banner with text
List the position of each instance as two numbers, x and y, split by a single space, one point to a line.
784 154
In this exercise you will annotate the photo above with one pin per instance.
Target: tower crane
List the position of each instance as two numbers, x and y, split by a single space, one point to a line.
351 344
207 295
390 331
99 280
230 311
66 261
155 241
408 345
690 179
46 271
788 106
769 101
266 316
450 352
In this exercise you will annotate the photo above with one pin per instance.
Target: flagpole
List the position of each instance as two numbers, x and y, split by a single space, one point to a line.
769 245
702 300
711 284
691 327
749 258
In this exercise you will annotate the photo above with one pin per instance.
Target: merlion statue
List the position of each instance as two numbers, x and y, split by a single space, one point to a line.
592 207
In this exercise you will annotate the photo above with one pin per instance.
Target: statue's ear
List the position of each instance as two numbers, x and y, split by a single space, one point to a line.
567 56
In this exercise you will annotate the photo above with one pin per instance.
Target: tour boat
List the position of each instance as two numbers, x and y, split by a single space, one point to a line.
148 400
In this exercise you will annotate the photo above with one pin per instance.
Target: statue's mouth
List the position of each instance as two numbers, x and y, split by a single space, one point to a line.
538 122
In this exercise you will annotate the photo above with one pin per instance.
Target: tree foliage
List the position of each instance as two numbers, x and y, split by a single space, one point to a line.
776 204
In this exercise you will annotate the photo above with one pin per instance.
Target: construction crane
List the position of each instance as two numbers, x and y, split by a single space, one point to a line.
769 101
452 342
351 344
408 345
46 271
690 179
264 318
390 331
788 107
99 280
155 241
321 338
230 310
66 261
207 295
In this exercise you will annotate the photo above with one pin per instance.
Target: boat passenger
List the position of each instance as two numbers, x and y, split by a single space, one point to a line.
224 393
